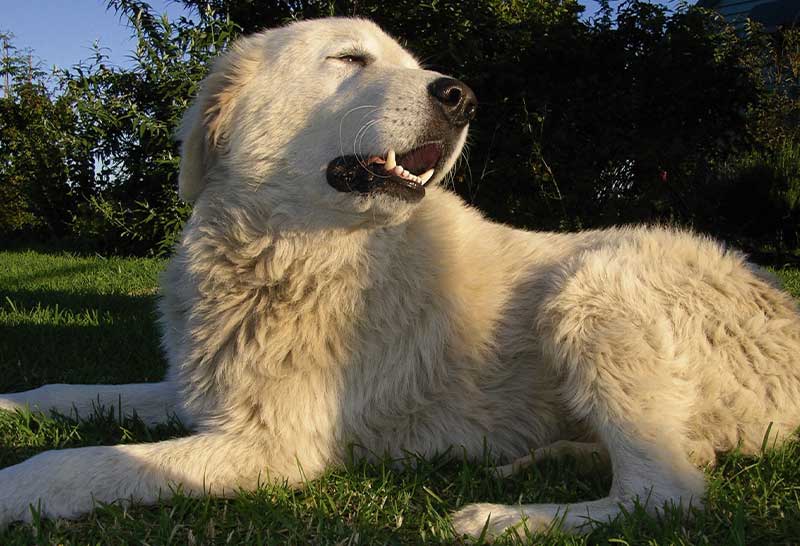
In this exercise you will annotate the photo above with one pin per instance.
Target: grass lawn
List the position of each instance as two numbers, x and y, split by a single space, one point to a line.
76 319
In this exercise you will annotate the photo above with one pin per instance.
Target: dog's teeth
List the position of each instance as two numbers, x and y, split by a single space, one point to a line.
391 161
398 170
424 177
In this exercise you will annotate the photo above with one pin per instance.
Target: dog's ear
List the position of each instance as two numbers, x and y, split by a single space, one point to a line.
203 131
192 134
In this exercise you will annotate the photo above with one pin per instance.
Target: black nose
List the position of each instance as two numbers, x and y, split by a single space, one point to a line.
458 102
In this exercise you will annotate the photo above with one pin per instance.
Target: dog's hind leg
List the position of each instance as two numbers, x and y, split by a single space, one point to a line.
627 379
152 402
586 454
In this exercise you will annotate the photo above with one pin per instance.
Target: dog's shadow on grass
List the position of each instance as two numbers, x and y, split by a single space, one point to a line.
53 336
33 432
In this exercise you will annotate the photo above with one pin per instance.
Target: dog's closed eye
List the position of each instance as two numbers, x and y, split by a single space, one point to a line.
355 58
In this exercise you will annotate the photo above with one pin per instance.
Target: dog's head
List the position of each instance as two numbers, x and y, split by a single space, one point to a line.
327 115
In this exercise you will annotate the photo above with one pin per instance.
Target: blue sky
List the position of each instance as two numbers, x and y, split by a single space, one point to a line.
61 32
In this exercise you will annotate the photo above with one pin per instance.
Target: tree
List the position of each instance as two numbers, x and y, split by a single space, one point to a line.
130 116
41 165
642 114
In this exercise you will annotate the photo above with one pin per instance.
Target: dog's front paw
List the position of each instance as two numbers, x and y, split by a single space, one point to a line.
472 520
9 402
15 503
492 520
52 483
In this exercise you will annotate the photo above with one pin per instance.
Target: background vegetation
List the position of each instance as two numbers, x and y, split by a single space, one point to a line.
641 114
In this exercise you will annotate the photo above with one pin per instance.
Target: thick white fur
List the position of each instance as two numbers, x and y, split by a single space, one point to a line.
299 320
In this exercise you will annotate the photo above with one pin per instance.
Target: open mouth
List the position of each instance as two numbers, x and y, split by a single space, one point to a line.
401 175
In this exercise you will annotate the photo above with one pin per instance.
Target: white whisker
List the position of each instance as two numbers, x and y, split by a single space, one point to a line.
465 158
341 123
359 138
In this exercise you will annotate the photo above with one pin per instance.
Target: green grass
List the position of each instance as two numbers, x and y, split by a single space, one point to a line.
77 319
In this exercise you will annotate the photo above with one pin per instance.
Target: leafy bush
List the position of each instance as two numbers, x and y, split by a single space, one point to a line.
756 198
99 162
42 163
641 114
130 116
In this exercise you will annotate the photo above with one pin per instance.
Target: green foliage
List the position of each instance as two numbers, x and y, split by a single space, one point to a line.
99 161
752 196
642 114
758 196
131 115
42 163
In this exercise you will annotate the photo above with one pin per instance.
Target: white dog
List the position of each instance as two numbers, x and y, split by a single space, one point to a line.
328 293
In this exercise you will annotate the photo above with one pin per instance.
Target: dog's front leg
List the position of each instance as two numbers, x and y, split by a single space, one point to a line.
66 483
152 402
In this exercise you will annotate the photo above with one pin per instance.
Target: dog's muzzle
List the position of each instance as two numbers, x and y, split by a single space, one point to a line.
403 176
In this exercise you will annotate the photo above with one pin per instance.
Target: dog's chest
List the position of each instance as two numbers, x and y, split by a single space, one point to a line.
347 355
